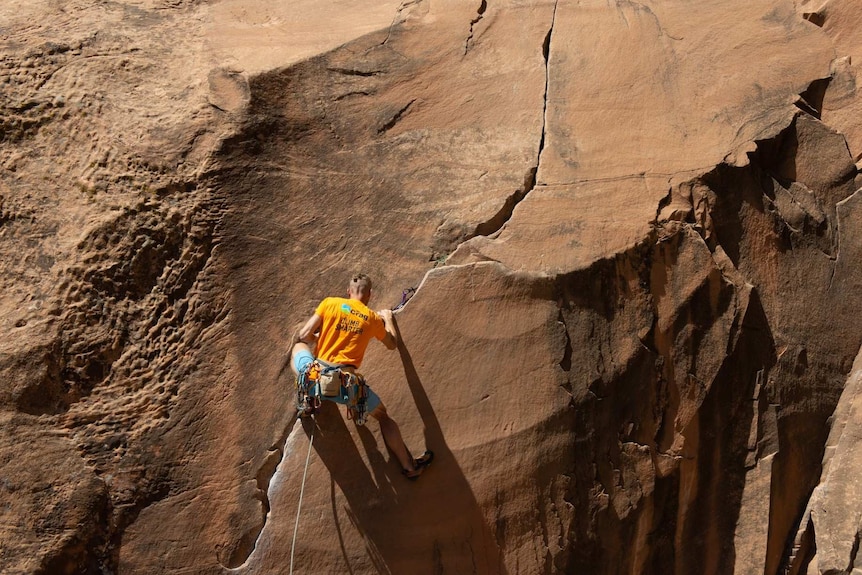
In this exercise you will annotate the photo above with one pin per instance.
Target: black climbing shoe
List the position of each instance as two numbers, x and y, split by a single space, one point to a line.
420 463
307 407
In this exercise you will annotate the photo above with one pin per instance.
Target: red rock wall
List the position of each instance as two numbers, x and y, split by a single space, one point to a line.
634 243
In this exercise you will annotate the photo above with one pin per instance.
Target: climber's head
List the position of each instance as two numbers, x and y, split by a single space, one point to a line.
359 288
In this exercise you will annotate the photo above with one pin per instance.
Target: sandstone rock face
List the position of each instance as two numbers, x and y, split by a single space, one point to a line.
831 523
635 232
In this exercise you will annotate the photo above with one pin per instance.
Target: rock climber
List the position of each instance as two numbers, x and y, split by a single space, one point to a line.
339 331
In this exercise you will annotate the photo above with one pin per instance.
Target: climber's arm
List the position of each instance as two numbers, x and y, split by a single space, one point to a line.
307 332
391 338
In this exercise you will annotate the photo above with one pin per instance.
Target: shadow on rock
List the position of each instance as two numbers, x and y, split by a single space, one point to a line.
430 525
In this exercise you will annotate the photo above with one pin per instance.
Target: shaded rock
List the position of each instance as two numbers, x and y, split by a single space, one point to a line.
54 507
828 540
638 244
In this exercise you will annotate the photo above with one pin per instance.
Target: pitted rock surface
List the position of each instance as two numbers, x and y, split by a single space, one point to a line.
633 229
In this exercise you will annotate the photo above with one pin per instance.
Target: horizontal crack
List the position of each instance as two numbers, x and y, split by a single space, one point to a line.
395 119
353 72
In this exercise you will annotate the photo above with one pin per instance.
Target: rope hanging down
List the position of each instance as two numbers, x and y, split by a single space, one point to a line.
299 506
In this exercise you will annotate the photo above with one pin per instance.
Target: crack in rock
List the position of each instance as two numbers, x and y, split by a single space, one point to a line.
395 119
816 18
853 553
546 53
811 99
480 12
496 223
355 72
244 551
397 20
566 361
837 258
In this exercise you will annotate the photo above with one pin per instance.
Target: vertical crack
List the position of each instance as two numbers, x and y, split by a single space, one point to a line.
499 219
243 550
480 12
853 552
836 260
546 53
566 362
837 240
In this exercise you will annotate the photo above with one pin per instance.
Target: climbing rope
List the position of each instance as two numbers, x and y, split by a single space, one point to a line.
301 493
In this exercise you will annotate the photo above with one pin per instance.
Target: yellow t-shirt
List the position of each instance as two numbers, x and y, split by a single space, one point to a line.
348 325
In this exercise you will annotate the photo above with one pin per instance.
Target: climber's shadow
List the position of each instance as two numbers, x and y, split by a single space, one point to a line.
366 495
339 453
389 510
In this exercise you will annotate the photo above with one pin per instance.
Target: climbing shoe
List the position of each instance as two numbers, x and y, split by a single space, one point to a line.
420 463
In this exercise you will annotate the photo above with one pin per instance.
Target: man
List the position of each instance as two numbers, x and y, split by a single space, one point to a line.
341 329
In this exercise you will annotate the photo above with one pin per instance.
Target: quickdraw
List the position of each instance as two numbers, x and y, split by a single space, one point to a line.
350 387
357 398
405 297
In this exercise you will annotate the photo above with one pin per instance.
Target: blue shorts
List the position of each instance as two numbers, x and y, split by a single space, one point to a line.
303 357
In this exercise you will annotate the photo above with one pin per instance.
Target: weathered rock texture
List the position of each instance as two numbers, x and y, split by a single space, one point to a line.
636 228
828 540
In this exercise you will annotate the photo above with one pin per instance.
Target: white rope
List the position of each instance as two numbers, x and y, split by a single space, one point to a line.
299 506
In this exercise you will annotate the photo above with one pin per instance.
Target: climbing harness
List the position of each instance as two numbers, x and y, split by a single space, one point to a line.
299 505
321 379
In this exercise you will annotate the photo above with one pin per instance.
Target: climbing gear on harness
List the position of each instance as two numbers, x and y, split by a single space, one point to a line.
420 463
357 399
321 379
329 381
307 404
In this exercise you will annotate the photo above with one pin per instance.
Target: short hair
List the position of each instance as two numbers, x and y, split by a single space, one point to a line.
361 283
